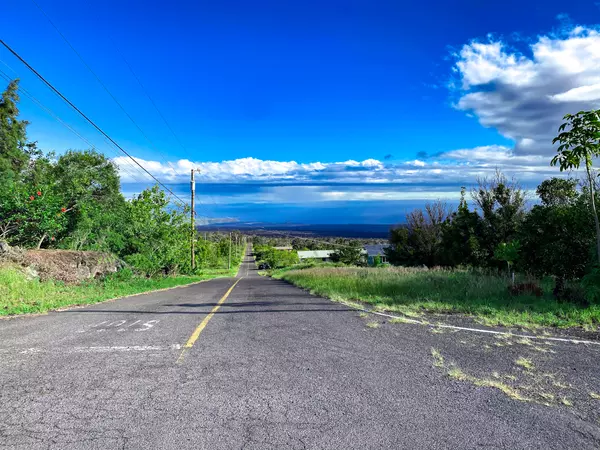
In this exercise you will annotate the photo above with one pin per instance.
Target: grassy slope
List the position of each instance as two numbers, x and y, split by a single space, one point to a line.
413 291
18 295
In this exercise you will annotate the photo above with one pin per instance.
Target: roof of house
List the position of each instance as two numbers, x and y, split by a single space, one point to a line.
304 254
376 249
287 247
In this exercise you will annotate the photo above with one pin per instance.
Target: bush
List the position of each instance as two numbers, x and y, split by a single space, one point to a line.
591 285
125 274
573 294
526 288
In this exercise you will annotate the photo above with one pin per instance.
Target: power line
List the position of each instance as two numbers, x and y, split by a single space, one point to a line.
59 120
145 91
86 117
165 159
56 117
149 97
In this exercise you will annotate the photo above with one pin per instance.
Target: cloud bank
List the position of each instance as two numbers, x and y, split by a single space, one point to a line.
523 96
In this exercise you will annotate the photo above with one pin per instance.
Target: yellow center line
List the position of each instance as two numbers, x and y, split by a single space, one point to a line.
194 337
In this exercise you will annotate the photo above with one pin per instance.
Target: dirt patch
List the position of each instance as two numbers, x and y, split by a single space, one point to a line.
69 266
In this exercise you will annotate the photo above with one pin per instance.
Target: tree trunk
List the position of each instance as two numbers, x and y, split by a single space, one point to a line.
41 241
597 223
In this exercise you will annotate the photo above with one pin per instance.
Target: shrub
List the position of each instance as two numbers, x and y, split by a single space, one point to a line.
591 285
574 294
525 289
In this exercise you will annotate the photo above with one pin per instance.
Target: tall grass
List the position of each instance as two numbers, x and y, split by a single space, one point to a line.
412 290
19 295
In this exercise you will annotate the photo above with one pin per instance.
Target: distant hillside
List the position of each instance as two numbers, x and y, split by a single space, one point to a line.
379 231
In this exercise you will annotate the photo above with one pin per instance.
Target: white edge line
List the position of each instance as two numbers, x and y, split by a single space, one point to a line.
476 330
98 349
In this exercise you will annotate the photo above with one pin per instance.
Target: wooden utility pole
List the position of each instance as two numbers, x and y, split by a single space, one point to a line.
229 265
192 212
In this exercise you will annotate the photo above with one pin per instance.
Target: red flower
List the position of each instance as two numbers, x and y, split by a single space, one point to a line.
52 238
63 209
31 197
39 193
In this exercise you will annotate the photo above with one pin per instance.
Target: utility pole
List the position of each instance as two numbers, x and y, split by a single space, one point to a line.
229 265
192 212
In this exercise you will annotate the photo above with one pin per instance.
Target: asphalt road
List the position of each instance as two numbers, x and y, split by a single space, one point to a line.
272 368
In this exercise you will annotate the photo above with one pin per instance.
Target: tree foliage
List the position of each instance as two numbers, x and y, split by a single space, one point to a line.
419 242
74 202
579 142
350 254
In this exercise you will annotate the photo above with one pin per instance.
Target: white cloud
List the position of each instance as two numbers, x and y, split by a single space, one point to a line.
452 168
525 97
578 94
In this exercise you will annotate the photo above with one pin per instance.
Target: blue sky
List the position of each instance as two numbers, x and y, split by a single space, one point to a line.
329 111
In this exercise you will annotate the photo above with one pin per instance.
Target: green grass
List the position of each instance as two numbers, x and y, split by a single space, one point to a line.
18 295
410 291
524 363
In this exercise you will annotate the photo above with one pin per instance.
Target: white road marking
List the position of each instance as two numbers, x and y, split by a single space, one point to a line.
96 349
29 351
148 325
476 330
120 326
123 348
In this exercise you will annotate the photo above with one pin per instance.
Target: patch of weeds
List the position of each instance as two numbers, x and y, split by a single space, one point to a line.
595 396
505 338
537 348
560 385
565 401
525 363
436 330
373 324
525 341
546 396
363 315
505 388
438 359
413 314
457 374
487 347
400 320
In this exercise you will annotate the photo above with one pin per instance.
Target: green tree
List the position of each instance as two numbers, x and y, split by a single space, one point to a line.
419 242
557 239
579 142
501 203
350 255
460 236
15 149
557 191
508 252
157 237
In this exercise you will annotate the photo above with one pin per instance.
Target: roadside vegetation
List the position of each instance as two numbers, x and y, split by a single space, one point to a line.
74 202
413 291
20 295
492 257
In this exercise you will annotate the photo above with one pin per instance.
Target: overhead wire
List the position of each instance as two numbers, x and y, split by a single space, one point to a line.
87 66
55 116
72 105
144 90
164 119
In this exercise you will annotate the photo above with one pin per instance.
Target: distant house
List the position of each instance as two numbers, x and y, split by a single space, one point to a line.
376 250
286 248
322 255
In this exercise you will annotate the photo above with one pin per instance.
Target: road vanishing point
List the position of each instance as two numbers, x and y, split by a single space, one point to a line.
248 363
